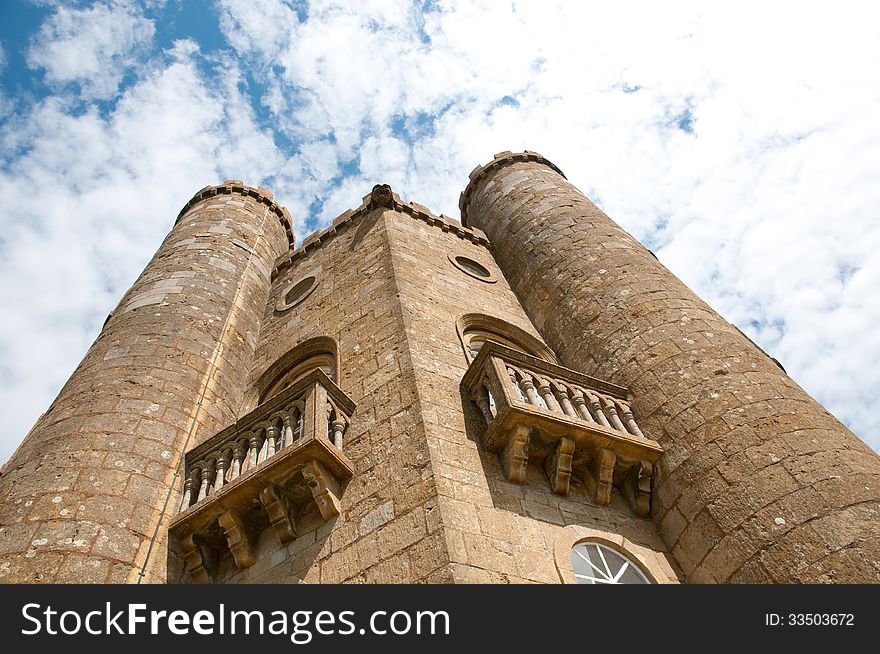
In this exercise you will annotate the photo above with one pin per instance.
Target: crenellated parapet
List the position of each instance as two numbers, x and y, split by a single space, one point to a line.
382 196
235 186
505 158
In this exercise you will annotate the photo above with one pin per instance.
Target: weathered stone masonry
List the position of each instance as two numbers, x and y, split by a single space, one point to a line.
495 530
759 483
81 497
254 412
389 521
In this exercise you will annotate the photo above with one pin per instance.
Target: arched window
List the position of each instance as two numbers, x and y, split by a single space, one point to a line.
474 329
325 362
316 353
595 563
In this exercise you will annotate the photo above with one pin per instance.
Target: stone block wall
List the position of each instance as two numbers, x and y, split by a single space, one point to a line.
495 531
388 529
83 496
758 483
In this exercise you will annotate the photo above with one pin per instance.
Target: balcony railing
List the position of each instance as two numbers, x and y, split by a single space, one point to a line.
264 470
568 422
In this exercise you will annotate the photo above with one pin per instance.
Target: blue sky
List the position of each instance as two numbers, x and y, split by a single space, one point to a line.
740 143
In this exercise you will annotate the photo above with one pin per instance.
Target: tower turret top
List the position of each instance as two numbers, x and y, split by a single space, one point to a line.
501 159
236 186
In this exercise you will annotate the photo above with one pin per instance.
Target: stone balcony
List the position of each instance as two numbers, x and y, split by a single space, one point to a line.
570 423
263 471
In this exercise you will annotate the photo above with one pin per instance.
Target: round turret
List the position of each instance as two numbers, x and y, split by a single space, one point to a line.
758 482
86 496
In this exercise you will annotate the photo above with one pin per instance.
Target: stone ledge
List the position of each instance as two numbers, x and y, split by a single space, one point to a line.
501 159
235 186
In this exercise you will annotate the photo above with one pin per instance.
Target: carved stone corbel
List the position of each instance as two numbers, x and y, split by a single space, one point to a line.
639 488
600 475
195 560
515 455
557 465
324 487
238 539
277 505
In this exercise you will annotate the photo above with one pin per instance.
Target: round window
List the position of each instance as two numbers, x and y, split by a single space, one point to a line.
472 268
595 563
297 292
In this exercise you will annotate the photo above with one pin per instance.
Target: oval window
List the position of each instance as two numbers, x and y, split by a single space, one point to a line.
472 268
297 292
595 563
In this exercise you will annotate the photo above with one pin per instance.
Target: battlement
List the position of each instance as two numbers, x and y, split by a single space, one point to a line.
500 159
380 196
236 186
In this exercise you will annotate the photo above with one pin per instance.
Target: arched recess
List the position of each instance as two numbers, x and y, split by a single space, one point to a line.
654 564
320 352
474 329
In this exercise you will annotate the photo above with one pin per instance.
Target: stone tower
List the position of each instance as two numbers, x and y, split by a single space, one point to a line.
758 482
527 395
84 496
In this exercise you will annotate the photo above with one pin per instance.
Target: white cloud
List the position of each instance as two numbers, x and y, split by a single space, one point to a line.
758 207
89 201
259 27
93 47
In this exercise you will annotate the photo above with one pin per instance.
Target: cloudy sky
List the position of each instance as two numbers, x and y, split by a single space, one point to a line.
740 142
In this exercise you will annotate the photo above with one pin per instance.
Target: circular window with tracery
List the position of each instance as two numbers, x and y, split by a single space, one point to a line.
472 268
595 563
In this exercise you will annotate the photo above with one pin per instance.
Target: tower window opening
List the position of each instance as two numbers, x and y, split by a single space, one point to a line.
475 330
472 268
595 563
323 362
297 292
319 353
